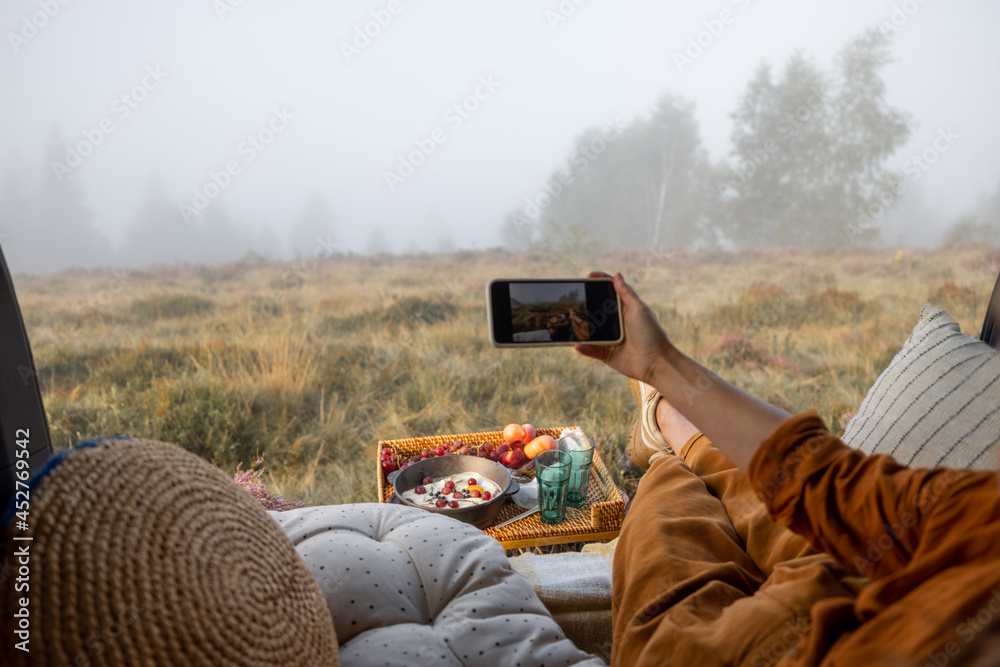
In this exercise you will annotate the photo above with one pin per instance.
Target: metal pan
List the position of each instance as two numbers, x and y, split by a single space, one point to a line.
481 516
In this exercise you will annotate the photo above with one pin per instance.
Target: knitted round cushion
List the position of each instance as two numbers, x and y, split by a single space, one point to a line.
140 553
406 586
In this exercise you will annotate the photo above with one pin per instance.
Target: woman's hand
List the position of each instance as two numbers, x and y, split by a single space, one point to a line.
733 420
645 346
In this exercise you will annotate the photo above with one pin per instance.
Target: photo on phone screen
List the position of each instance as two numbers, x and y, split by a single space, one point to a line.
526 313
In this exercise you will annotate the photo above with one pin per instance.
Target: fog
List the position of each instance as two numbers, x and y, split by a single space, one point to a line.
281 127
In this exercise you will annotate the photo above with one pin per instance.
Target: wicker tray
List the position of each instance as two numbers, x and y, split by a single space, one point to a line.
599 519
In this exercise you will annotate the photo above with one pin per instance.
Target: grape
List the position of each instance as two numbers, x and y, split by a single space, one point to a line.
438 451
483 454
453 504
389 466
472 482
427 480
488 447
475 494
420 489
424 453
457 495
440 503
486 495
493 456
463 450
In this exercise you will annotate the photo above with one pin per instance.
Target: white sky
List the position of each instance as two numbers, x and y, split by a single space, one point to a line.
545 292
352 119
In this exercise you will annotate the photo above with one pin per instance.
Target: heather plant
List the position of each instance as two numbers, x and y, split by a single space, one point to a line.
252 481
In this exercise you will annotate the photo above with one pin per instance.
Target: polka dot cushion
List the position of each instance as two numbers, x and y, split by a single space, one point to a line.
409 587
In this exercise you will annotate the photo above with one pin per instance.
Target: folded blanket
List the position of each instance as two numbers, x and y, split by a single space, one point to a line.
576 589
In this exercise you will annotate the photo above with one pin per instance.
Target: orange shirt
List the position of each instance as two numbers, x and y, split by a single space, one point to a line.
928 539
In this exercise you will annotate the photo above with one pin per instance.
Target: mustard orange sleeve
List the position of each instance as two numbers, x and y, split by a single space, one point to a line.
851 505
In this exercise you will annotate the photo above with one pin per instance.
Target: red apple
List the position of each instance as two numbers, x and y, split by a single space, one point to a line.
514 458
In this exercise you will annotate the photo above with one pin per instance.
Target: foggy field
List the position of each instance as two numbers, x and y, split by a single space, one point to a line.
312 364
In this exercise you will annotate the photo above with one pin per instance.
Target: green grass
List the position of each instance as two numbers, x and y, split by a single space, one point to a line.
232 360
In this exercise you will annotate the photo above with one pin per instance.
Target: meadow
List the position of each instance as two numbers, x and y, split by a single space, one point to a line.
311 363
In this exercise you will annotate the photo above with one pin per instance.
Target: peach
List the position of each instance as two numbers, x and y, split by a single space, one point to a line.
514 434
530 432
540 444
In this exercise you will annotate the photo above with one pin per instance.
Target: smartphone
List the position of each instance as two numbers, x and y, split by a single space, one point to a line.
536 313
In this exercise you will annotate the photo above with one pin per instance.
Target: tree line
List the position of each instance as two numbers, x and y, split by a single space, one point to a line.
807 165
45 225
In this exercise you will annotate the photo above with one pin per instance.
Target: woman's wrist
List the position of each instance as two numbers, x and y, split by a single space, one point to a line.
664 371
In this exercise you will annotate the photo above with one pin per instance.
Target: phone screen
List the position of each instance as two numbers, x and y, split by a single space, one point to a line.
554 312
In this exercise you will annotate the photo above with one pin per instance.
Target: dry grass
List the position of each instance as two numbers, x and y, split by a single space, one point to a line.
312 364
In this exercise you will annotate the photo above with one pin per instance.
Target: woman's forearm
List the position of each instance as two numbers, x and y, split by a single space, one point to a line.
733 420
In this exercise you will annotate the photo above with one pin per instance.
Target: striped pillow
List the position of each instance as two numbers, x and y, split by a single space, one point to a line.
938 402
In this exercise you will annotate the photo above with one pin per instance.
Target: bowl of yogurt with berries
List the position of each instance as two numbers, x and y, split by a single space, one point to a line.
468 488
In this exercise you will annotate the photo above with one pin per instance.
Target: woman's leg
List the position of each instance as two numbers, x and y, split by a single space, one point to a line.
686 593
702 575
765 541
677 559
